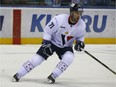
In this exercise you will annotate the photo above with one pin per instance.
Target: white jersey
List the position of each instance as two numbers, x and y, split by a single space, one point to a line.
61 33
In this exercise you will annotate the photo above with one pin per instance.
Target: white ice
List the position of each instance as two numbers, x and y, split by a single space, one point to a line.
84 71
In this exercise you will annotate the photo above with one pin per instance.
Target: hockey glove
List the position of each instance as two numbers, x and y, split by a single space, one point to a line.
46 48
79 46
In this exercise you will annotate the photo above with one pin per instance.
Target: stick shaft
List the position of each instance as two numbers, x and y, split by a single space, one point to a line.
100 62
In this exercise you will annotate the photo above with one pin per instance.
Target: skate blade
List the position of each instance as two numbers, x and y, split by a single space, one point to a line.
48 81
13 80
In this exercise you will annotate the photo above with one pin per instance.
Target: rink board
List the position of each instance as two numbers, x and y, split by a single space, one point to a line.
100 24
39 41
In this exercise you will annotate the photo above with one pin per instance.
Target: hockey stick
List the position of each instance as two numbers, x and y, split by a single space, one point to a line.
99 62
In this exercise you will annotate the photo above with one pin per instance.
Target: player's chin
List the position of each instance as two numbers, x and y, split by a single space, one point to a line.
75 20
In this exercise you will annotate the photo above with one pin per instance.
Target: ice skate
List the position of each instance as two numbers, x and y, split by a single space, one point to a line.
50 80
15 78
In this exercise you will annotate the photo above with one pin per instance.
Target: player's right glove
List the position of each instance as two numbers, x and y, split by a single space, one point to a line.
79 46
46 47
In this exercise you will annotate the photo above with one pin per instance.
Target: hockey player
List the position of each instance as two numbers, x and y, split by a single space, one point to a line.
59 35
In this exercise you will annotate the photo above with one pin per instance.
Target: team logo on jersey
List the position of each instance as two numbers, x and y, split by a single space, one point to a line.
69 37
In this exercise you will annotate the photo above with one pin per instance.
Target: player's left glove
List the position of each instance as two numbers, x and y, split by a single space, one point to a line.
79 46
46 47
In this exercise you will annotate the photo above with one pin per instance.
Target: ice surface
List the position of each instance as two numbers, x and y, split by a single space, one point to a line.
84 71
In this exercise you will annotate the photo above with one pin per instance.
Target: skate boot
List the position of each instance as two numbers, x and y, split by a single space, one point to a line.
50 79
15 78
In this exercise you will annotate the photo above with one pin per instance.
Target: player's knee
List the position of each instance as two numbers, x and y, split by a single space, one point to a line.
33 62
36 60
68 57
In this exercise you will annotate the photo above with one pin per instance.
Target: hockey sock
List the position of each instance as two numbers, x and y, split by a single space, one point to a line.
30 64
67 59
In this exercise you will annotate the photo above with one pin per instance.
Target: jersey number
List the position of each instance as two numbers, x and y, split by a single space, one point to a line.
51 25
